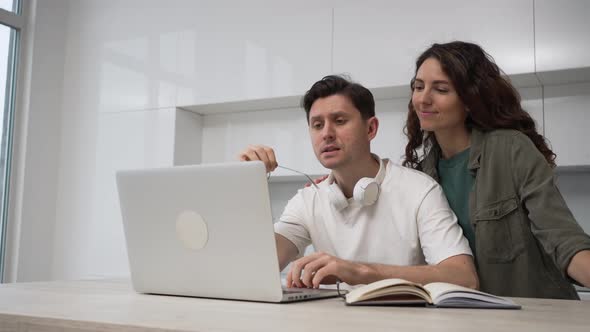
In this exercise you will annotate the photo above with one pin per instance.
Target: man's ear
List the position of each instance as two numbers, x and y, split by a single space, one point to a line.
372 126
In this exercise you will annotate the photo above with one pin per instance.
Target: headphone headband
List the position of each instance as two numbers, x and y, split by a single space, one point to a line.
380 174
366 190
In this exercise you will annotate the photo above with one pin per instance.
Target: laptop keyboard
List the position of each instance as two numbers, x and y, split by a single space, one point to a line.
304 290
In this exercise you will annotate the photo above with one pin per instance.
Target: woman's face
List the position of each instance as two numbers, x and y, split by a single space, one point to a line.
436 101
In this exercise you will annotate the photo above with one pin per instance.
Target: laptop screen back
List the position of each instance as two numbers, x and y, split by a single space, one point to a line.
203 230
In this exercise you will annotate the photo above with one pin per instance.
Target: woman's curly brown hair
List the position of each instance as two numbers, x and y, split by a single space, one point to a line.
492 101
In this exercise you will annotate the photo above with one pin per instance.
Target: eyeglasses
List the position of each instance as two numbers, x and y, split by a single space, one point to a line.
296 171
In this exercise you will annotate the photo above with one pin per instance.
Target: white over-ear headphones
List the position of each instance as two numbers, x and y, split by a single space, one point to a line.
365 192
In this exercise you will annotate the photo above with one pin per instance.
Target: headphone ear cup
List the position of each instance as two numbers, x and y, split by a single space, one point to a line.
336 196
366 191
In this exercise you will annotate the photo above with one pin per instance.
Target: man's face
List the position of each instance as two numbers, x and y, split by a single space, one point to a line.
339 134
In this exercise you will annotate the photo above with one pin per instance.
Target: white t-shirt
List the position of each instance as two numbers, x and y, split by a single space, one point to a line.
410 224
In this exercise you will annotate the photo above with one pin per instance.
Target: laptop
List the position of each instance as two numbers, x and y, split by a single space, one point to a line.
204 231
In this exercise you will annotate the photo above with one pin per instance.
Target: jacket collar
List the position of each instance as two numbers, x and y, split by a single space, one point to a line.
477 140
429 163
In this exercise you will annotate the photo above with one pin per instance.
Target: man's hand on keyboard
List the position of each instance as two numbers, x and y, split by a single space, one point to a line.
321 268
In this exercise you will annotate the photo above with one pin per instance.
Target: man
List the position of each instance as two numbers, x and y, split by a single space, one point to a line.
406 230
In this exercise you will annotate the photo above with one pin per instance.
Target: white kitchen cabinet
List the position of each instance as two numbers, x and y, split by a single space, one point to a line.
129 140
390 141
135 140
562 39
146 139
225 135
532 102
567 119
148 54
574 185
377 43
249 52
90 217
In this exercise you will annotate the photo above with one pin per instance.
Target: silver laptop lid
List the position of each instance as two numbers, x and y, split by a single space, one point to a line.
203 230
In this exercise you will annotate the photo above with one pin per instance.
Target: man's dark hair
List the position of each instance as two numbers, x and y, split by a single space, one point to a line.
330 85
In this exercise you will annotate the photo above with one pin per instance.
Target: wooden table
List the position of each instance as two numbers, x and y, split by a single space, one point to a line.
112 305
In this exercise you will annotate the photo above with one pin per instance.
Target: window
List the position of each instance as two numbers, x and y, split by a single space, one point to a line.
11 24
10 5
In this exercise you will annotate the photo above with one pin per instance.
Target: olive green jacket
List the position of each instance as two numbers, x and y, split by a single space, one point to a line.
525 235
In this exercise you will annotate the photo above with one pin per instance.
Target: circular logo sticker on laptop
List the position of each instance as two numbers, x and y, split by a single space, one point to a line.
191 230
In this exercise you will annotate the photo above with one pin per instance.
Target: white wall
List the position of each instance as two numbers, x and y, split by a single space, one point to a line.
108 75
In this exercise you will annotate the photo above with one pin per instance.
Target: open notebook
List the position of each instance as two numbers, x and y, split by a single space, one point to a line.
437 294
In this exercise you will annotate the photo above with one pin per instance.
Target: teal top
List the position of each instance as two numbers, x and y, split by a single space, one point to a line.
457 182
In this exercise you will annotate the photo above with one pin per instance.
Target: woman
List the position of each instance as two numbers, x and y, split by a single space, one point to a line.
467 129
